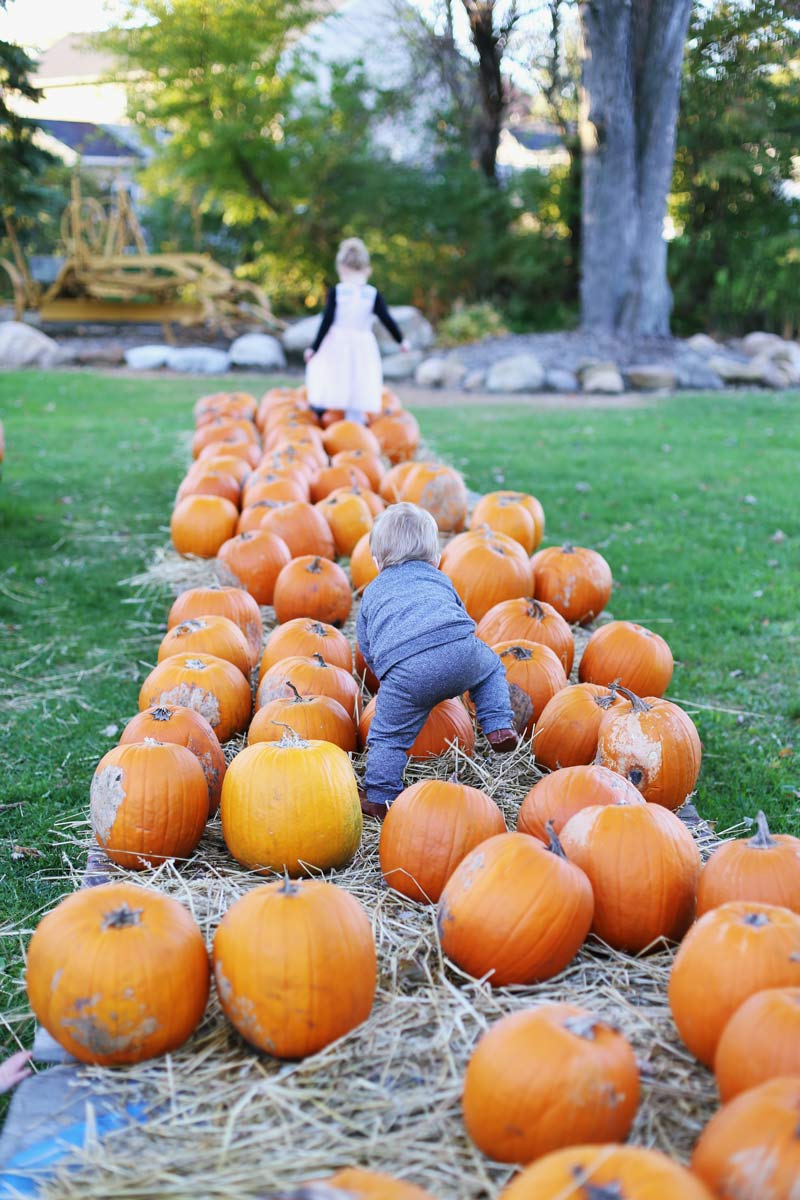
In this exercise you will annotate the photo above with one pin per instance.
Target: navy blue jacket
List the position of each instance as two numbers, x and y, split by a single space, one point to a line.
409 608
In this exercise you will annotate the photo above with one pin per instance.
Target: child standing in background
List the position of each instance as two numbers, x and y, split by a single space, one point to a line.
344 364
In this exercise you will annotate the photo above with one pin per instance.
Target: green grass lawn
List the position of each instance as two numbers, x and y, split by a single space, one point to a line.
685 499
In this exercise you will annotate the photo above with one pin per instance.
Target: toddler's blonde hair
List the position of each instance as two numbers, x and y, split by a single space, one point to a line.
404 533
353 255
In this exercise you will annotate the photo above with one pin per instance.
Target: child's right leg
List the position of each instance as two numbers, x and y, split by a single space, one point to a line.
490 696
355 414
399 716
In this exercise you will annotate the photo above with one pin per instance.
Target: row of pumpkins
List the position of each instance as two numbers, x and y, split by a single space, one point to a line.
597 847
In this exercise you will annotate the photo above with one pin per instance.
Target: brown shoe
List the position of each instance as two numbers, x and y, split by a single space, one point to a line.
370 809
502 741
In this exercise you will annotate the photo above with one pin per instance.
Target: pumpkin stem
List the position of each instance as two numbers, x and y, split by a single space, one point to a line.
123 917
591 1191
568 548
582 1026
520 653
162 713
288 886
555 846
637 703
763 839
314 567
756 920
318 659
535 609
297 699
290 737
607 701
318 629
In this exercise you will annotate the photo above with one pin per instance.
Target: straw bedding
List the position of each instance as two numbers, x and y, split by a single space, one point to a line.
227 1121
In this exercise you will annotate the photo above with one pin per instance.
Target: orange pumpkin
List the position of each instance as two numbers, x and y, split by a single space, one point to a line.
448 722
349 519
534 669
210 483
485 568
563 793
291 806
231 602
750 1149
760 1042
441 491
515 911
302 527
654 744
363 568
328 479
222 429
391 485
182 727
242 403
398 435
349 435
95 974
355 1184
516 514
549 1077
372 500
731 953
148 802
319 718
569 725
311 676
208 635
532 621
210 685
643 866
312 587
605 1173
200 524
232 448
429 829
630 654
294 965
369 464
224 464
367 677
273 487
255 560
765 867
306 637
576 581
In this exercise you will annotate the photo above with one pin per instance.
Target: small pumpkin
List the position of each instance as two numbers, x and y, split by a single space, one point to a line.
429 829
182 727
220 428
765 867
760 1042
311 676
630 654
319 718
654 744
231 602
549 1077
369 465
486 568
95 974
605 1173
328 479
398 435
306 637
560 795
349 435
231 447
750 1149
576 581
312 587
441 491
535 669
532 621
294 964
569 725
200 524
514 910
391 485
302 527
254 560
210 685
643 865
148 802
448 722
363 568
372 500
209 483
731 953
516 514
273 486
349 518
208 635
290 806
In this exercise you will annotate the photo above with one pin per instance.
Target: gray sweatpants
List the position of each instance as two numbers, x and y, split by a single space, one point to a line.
413 687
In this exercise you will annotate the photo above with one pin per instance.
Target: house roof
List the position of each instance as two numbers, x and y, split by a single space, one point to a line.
73 57
95 141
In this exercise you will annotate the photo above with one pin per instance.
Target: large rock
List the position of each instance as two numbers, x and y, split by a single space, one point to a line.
199 360
760 371
702 344
787 357
697 376
454 373
415 328
651 377
603 378
518 373
401 366
759 342
300 334
147 358
775 373
474 380
23 346
430 372
559 379
257 350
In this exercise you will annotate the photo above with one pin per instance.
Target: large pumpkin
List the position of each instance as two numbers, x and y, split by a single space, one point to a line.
654 744
363 568
750 1149
391 486
96 979
255 560
760 1042
320 718
398 436
548 1077
200 524
272 486
515 911
306 637
486 568
368 463
447 722
330 478
313 587
429 828
532 621
534 669
606 1173
731 953
291 805
350 435
209 483
210 685
311 676
568 728
643 866
182 727
294 964
302 527
148 802
441 491
765 867
208 635
349 518
576 581
630 654
231 602
516 514
560 795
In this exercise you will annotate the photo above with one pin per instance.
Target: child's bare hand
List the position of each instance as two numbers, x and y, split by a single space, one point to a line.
308 355
405 345
14 1069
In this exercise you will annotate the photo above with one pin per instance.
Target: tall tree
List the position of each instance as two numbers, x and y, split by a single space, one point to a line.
491 25
22 161
632 56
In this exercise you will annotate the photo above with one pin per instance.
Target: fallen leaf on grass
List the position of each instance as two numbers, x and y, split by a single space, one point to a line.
19 852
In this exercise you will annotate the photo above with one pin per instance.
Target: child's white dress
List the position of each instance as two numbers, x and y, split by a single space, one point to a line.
345 372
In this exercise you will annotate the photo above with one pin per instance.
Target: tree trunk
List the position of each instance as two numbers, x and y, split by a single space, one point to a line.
490 38
632 57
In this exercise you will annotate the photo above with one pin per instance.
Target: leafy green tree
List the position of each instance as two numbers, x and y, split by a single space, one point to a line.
22 162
